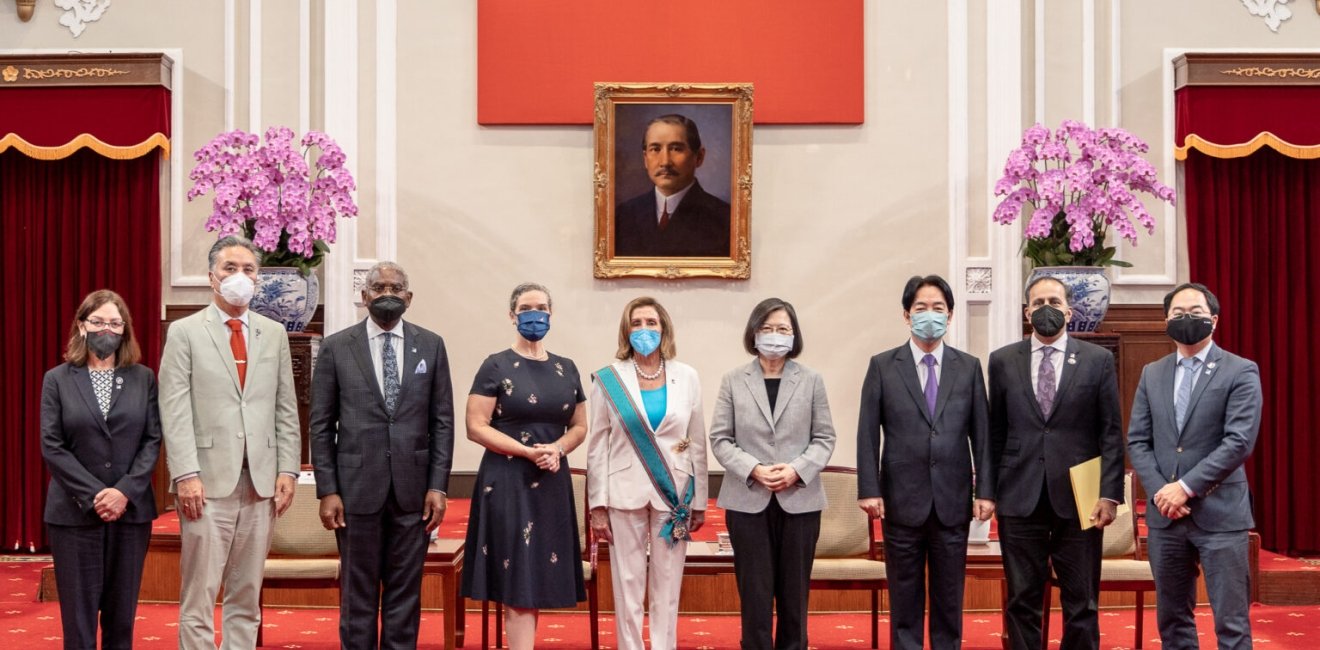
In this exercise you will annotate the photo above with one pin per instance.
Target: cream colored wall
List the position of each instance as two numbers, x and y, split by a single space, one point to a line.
841 216
839 220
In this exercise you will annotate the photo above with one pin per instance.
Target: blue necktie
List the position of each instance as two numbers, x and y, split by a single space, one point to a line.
1190 368
932 383
390 369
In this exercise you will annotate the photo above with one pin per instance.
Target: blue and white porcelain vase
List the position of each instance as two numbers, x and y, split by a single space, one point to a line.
1090 293
286 295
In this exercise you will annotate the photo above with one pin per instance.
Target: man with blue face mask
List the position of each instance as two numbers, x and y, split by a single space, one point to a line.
923 403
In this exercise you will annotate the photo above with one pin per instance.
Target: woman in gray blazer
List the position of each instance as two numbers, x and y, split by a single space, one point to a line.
100 436
772 433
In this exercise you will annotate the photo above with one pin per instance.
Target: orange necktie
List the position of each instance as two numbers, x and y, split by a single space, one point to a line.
239 346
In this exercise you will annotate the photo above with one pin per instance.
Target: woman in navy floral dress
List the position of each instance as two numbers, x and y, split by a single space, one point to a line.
528 410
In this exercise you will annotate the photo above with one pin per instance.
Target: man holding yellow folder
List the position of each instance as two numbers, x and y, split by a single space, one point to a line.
1053 404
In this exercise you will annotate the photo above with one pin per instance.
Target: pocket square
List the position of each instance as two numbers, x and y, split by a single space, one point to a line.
421 368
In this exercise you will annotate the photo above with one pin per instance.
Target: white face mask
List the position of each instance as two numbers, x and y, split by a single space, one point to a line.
237 289
774 346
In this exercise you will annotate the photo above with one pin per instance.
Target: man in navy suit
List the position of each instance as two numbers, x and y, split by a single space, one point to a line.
1053 404
1194 423
382 438
678 218
924 403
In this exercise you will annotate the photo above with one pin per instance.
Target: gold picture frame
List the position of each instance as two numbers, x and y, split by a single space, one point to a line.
637 177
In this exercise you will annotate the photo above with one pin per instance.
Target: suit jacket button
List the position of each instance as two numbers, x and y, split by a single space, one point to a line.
107 465
239 434
1180 450
1042 459
932 463
1047 430
932 432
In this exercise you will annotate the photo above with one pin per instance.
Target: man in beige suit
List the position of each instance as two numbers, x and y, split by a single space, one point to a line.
230 420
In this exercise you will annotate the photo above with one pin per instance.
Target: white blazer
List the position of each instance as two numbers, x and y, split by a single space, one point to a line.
617 477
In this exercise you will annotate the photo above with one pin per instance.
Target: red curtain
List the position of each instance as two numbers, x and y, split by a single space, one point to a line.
67 227
118 116
1253 229
1224 116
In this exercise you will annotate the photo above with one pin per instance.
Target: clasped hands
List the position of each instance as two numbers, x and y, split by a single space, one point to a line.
110 504
1171 501
775 478
545 456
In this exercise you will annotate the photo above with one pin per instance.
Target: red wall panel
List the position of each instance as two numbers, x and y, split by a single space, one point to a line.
537 60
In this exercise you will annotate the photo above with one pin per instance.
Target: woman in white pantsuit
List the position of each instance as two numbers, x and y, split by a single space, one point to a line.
646 401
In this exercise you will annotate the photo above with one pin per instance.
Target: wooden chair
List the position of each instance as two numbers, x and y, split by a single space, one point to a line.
1123 567
303 554
587 544
846 555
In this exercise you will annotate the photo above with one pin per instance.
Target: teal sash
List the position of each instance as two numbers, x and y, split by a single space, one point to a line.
657 468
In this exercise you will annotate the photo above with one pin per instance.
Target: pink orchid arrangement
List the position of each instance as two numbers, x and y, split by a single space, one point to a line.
1079 181
267 192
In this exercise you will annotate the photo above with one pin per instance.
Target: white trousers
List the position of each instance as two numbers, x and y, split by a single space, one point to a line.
227 545
630 571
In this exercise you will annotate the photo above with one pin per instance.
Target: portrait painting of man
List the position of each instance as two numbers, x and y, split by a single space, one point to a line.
670 202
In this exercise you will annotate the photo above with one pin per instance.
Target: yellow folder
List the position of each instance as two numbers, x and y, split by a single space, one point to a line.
1086 490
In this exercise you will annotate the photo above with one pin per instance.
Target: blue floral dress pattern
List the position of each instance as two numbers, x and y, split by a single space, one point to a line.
523 519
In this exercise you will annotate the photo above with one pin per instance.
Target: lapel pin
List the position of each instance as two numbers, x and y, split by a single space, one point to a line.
1210 365
1072 361
414 350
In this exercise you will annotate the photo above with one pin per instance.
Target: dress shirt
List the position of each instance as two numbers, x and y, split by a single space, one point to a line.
375 337
918 354
242 318
1060 350
1181 370
670 202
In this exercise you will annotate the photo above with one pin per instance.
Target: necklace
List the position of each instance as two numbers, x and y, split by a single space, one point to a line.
540 357
653 376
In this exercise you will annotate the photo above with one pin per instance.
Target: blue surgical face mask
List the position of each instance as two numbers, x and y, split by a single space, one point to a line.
929 325
533 325
644 342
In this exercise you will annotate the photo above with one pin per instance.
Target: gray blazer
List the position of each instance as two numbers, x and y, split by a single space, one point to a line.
359 449
1218 435
745 433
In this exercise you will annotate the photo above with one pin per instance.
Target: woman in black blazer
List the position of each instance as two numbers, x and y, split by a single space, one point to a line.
100 436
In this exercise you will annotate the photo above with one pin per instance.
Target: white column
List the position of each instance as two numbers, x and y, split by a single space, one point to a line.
341 123
1003 55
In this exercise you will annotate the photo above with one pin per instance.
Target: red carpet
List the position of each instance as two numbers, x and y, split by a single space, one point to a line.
29 624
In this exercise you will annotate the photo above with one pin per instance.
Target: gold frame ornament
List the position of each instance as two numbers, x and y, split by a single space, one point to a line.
736 263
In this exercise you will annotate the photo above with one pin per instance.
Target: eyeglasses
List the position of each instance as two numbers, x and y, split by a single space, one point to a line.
96 323
381 287
782 329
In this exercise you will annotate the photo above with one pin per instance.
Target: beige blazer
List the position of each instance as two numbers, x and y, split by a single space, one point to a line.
209 425
618 478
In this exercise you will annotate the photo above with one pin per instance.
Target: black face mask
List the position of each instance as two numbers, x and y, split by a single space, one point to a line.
104 343
1188 329
387 309
1047 320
